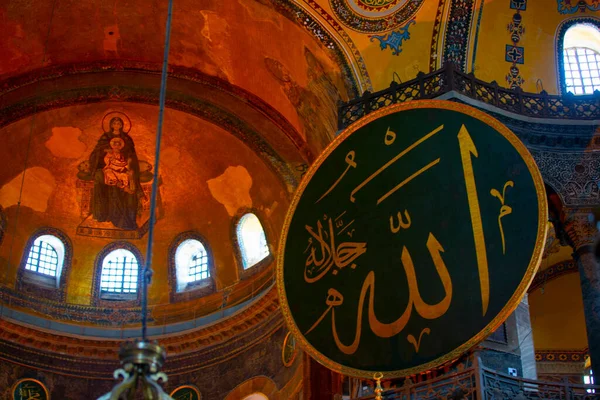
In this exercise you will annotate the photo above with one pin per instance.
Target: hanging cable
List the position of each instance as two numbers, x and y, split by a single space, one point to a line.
147 272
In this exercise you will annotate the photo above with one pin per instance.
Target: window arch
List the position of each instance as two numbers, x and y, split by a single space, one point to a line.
46 256
251 240
190 267
45 264
118 274
578 53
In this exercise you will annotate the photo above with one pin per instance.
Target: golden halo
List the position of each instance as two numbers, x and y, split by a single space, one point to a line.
123 116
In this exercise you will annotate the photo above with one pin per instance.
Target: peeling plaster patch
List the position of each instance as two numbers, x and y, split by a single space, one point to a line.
260 11
232 189
39 185
216 32
215 25
111 39
65 142
170 156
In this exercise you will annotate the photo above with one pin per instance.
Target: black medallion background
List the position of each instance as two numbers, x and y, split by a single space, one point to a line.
438 204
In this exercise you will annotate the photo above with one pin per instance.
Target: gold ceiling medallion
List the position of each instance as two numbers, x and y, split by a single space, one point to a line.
377 5
373 16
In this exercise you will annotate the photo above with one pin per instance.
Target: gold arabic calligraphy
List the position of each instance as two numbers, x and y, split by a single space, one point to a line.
29 392
504 209
324 254
386 330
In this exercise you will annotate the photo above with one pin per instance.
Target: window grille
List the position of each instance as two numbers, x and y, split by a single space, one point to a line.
199 266
42 258
191 263
582 70
119 272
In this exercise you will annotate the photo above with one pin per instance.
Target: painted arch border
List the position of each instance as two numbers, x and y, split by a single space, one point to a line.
514 300
563 27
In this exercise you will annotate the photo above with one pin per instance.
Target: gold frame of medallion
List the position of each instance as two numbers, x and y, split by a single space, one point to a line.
194 388
14 387
514 300
284 346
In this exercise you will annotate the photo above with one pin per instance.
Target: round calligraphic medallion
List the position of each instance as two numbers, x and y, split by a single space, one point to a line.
289 350
29 389
411 238
186 392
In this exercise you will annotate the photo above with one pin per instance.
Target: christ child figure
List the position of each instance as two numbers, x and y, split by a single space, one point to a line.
116 170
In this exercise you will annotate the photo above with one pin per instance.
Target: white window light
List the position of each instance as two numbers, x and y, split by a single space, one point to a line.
46 256
191 263
119 272
252 240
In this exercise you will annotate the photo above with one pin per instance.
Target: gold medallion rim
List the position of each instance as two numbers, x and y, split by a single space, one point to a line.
194 388
514 300
14 387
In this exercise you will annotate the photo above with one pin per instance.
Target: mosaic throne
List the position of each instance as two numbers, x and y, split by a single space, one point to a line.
91 227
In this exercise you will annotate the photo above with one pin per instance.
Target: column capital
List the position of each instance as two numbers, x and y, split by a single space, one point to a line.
580 228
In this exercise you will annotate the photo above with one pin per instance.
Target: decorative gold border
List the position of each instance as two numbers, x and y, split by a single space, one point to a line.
515 299
283 347
194 388
14 387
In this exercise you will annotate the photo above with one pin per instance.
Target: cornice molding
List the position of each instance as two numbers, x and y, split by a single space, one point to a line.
189 351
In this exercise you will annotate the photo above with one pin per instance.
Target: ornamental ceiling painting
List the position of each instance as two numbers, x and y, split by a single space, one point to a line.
371 16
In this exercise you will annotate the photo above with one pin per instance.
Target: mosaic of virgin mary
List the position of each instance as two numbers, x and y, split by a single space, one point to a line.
115 169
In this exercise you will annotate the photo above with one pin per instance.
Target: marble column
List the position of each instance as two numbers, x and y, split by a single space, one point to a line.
583 236
525 335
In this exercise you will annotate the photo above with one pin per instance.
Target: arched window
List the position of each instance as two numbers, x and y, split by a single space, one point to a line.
191 261
46 256
190 267
580 58
45 263
119 272
118 269
251 240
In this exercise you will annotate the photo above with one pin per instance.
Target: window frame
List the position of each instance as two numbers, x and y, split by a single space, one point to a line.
42 285
109 299
194 289
245 273
559 56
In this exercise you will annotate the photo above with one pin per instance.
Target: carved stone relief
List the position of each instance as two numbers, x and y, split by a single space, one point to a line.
574 176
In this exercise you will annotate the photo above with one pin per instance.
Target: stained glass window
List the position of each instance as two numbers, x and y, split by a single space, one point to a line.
119 272
46 256
252 240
